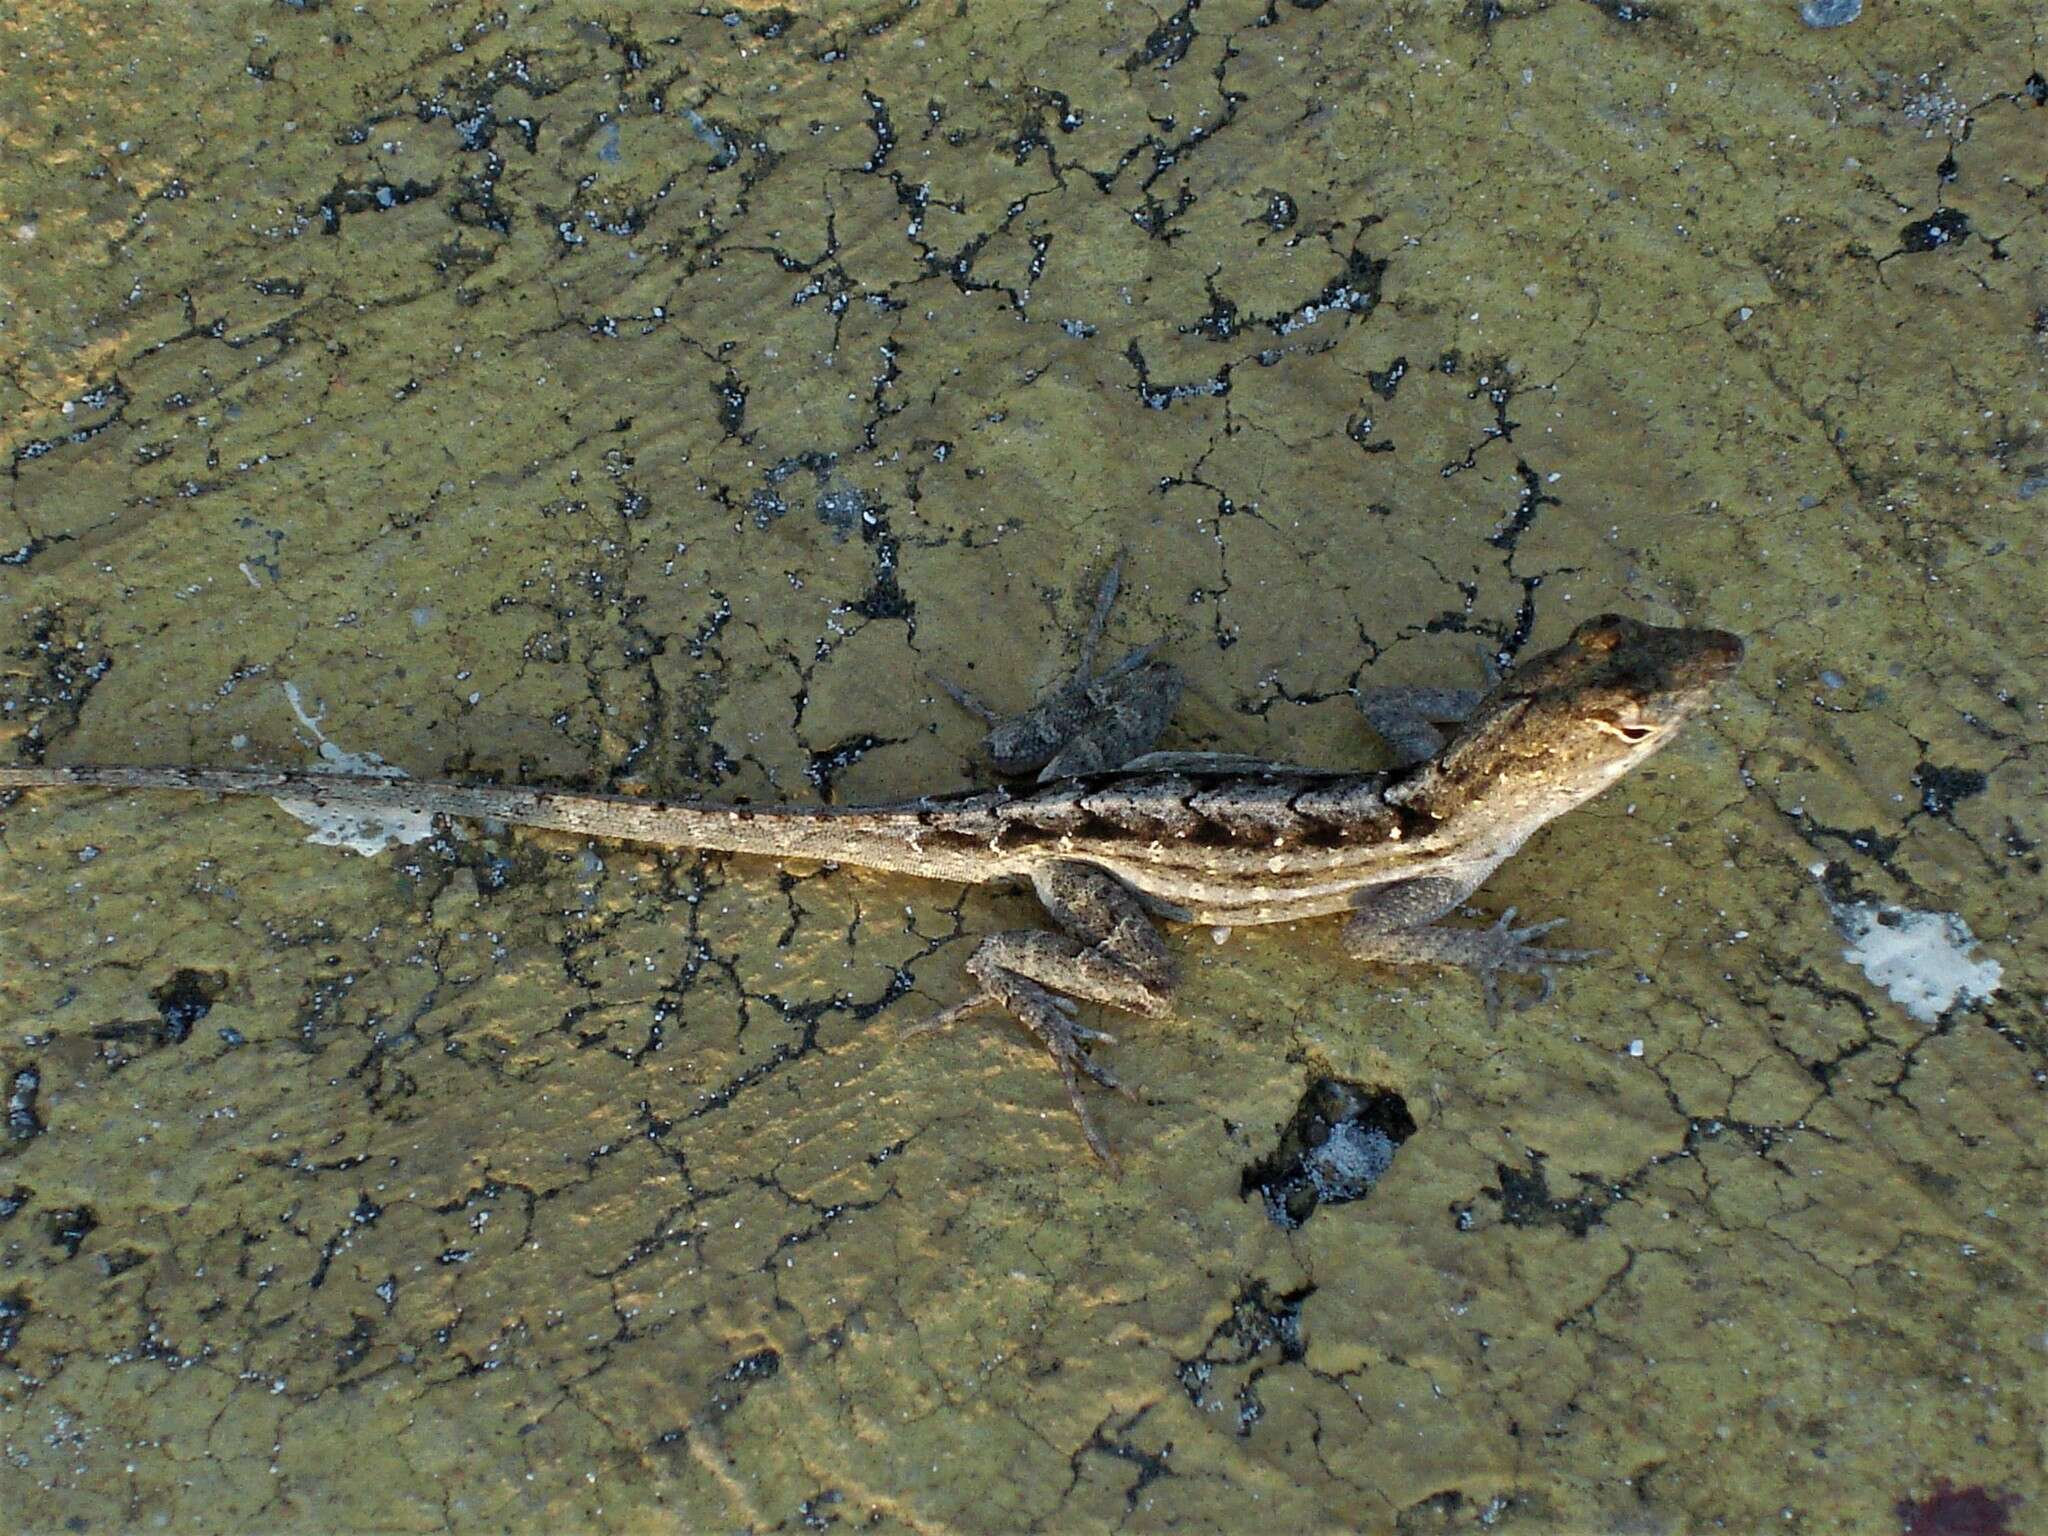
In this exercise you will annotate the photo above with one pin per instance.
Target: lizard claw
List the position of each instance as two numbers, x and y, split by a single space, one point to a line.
1510 949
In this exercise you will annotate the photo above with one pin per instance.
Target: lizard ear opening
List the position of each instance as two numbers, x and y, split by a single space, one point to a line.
1601 634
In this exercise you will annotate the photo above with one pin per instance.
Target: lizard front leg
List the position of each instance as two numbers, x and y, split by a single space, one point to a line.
1107 952
1406 718
1395 925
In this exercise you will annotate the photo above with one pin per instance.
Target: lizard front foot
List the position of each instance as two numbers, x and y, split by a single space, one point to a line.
1505 949
1396 927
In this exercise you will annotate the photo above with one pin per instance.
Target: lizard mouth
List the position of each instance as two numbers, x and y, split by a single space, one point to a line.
1704 659
1717 652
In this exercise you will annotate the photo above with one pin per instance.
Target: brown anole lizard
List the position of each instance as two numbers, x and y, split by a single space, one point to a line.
1112 836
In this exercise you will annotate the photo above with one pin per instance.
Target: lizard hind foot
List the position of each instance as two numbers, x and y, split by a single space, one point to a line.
1066 1042
1107 952
966 700
1050 1017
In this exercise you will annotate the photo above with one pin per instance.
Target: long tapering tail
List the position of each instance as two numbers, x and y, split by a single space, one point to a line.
915 837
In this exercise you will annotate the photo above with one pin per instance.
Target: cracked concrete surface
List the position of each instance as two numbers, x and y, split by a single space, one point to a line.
649 399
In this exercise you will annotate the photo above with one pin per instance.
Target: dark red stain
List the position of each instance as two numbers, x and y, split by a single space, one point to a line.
1953 1511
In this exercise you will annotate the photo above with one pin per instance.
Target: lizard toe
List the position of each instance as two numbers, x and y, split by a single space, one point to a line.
950 1015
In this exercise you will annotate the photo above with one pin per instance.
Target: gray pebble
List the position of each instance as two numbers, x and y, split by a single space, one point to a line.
1829 13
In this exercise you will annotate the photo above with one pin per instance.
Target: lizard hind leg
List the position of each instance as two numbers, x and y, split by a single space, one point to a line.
1089 721
1108 952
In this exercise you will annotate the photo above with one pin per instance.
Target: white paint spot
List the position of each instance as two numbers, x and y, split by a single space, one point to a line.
361 831
1922 959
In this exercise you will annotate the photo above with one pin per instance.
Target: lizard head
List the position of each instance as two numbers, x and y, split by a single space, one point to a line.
1566 724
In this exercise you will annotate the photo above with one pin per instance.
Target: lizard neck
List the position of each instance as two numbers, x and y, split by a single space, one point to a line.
1490 816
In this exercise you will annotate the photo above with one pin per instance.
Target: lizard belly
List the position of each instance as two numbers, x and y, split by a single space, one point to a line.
1188 896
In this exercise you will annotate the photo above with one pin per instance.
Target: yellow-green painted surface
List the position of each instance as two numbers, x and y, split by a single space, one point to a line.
628 396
